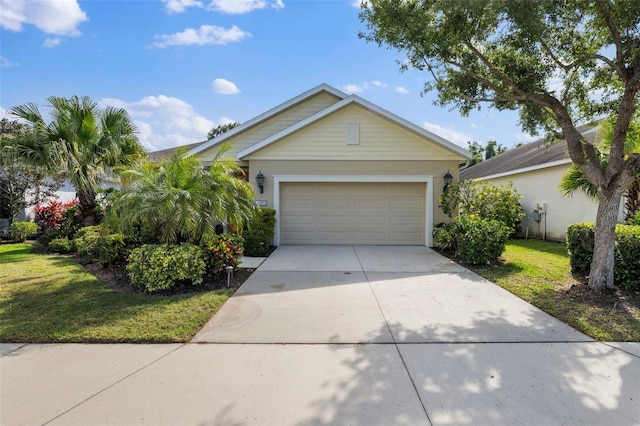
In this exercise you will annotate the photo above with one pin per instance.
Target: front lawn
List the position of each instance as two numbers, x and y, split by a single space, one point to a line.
539 272
48 298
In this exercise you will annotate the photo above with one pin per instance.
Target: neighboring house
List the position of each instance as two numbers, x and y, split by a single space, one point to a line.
536 169
340 170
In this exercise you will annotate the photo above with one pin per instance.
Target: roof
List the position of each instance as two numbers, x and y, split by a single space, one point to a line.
535 155
157 156
266 115
349 100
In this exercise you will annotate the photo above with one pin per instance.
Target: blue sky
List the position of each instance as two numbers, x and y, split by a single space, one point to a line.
181 67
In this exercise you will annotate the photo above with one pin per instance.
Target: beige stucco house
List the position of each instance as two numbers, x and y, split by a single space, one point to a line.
341 170
536 169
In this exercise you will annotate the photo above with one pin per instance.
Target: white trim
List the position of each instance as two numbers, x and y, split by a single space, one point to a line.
450 146
266 115
526 169
427 179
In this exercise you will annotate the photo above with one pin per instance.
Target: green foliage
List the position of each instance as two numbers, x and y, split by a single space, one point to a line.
222 250
161 267
113 250
180 201
82 140
479 241
580 243
635 219
60 245
627 257
88 241
580 240
482 199
443 236
220 129
259 232
20 231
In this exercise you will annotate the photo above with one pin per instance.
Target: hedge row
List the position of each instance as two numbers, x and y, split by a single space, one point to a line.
580 242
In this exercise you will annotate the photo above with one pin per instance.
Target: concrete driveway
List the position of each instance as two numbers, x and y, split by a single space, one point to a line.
323 335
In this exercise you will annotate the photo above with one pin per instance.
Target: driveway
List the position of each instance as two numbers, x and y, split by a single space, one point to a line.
323 335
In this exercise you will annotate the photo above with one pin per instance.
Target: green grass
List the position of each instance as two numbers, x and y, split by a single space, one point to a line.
539 272
47 298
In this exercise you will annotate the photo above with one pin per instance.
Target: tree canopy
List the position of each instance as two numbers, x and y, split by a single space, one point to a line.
82 141
220 129
560 63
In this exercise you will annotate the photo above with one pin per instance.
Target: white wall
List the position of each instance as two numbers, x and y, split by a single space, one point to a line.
541 186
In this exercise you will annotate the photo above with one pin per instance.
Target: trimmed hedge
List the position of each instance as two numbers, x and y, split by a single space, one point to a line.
20 231
580 243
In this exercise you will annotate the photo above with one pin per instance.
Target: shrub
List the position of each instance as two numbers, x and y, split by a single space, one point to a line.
627 257
580 240
580 243
479 241
113 250
222 250
482 199
443 236
20 231
161 267
88 241
259 232
635 219
53 217
60 245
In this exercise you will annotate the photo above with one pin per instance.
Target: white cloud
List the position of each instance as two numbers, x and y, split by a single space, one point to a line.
59 17
353 88
164 121
454 136
234 7
179 6
525 137
6 63
359 88
4 113
224 87
358 3
206 34
51 42
401 90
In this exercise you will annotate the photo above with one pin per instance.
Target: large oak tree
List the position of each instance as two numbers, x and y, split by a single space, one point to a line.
560 63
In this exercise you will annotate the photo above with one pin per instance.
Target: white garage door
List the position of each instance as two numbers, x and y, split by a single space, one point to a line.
352 213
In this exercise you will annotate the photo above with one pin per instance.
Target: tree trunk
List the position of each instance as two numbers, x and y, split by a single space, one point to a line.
87 203
602 263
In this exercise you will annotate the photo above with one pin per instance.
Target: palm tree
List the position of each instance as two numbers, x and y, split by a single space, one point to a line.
83 141
573 179
180 201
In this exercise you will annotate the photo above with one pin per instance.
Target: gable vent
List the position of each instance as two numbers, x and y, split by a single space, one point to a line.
353 133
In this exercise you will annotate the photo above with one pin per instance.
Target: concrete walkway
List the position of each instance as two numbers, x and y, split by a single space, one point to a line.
324 335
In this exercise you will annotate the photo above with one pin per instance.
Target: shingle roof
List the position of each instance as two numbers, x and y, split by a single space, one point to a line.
157 156
536 153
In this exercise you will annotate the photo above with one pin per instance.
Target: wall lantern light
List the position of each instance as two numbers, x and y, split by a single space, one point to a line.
447 181
260 180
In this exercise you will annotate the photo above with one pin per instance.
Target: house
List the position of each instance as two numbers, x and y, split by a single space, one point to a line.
535 170
340 170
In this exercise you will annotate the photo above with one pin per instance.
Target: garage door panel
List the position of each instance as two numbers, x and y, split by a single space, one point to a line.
352 213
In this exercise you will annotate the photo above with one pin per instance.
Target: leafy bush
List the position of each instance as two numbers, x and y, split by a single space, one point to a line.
259 233
580 240
113 250
20 231
57 216
60 245
88 241
479 240
635 219
222 250
580 243
161 267
482 199
627 257
443 236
